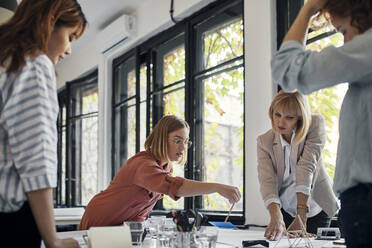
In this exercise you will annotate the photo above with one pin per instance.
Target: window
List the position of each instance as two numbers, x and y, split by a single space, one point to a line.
327 101
125 111
78 142
194 70
219 105
170 92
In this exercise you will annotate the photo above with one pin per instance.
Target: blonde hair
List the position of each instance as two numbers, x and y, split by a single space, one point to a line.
298 103
157 141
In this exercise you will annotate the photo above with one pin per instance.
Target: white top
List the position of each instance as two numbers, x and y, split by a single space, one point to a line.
28 131
287 192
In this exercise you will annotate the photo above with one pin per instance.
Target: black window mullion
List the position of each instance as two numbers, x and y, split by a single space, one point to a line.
75 146
148 89
123 135
190 202
68 148
78 155
138 100
157 83
114 155
156 104
286 13
58 190
321 36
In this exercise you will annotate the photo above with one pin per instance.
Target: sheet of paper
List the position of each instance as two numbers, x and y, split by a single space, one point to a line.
109 236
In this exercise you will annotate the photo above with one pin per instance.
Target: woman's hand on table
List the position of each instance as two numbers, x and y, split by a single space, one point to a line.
65 243
296 226
275 229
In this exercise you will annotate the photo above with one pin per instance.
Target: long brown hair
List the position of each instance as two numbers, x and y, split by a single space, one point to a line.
360 12
157 141
30 28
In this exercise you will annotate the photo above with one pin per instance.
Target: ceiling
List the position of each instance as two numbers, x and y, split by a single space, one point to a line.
100 13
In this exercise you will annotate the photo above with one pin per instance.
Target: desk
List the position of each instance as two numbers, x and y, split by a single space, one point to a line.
226 238
68 216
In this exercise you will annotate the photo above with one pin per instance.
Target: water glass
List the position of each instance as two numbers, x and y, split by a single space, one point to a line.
136 231
153 224
166 234
207 236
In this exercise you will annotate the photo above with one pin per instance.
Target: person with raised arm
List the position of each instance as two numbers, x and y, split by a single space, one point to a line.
295 68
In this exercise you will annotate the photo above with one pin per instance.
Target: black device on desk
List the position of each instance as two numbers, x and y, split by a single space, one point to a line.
249 243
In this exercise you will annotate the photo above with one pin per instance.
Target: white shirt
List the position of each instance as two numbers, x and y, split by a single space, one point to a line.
28 131
287 193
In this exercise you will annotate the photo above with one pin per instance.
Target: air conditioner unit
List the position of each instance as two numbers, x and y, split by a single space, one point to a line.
117 32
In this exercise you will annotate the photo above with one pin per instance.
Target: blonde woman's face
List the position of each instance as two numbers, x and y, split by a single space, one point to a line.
177 144
284 122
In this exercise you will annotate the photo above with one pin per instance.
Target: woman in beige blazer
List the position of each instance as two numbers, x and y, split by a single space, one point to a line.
292 177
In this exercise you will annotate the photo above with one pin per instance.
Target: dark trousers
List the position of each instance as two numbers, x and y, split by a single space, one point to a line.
312 224
18 229
356 216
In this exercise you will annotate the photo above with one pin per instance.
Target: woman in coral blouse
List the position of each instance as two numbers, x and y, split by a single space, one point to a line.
147 176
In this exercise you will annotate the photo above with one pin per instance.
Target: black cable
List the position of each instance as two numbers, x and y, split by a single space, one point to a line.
171 13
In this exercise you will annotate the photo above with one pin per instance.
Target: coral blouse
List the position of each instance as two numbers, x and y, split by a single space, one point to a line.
133 192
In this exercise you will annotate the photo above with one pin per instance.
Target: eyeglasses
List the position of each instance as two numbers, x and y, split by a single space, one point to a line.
179 142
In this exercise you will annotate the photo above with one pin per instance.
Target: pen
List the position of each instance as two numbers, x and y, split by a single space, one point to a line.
228 215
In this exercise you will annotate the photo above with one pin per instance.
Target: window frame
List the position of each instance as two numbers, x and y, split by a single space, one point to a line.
73 188
148 52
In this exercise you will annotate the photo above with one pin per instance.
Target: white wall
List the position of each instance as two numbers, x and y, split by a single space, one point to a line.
260 42
259 46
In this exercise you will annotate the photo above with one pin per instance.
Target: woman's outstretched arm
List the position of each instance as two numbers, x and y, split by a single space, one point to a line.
192 188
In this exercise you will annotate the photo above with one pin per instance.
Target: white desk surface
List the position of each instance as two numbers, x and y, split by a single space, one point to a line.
68 216
226 238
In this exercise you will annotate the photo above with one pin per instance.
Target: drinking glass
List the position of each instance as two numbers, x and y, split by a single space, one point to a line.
207 236
166 234
153 224
136 231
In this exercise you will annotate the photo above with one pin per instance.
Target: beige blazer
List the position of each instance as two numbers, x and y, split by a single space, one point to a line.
310 170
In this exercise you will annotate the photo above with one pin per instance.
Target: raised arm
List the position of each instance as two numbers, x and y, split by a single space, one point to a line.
298 30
